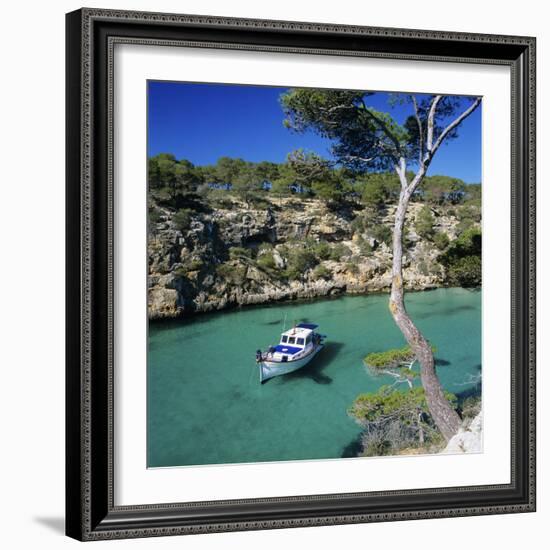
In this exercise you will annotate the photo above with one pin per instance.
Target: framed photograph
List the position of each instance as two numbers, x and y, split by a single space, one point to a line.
279 309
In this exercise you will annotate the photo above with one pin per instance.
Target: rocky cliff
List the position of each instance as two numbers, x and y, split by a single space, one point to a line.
288 249
469 439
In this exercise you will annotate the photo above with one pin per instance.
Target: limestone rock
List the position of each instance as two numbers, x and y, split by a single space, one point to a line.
191 271
163 303
469 439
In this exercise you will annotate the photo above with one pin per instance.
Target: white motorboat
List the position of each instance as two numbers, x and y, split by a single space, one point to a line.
298 346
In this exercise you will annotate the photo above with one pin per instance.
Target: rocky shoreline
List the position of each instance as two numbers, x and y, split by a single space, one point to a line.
236 256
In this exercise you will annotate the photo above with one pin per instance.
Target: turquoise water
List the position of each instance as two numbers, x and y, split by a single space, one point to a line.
206 405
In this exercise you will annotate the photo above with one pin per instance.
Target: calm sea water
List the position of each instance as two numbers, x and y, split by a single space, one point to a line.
206 405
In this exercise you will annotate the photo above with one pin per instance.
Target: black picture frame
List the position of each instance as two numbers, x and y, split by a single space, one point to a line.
90 510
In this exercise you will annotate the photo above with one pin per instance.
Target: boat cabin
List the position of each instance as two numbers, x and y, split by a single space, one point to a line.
296 339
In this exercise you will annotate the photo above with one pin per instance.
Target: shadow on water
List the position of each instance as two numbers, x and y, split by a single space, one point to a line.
450 311
441 362
473 391
314 370
277 322
352 449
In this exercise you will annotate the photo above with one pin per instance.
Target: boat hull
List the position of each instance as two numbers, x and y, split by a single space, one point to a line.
269 369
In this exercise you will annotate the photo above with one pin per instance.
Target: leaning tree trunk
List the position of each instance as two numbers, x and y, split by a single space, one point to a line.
445 417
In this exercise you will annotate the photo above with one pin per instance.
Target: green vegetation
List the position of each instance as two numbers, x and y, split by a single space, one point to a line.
237 252
394 420
443 190
378 188
180 184
441 240
182 218
465 272
171 182
352 267
231 272
462 259
470 407
322 250
321 272
390 358
468 215
424 223
266 261
339 251
154 215
364 246
382 233
299 260
189 266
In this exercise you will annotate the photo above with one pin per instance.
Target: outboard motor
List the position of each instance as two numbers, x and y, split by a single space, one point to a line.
258 355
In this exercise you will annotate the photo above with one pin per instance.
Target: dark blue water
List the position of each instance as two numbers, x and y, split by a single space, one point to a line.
206 405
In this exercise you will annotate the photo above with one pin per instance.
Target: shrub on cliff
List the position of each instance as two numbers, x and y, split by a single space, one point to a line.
329 190
471 407
182 218
465 272
462 259
365 247
363 221
322 250
154 215
266 261
381 233
352 266
424 223
238 252
468 216
299 260
441 240
188 266
339 251
321 272
235 274
394 420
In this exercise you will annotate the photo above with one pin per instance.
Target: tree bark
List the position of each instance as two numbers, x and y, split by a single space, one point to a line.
444 416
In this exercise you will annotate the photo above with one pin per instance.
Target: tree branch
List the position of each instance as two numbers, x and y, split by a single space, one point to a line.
361 159
431 116
420 132
455 123
331 110
401 169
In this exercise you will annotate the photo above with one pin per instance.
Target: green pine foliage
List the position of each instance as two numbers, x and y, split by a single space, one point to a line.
395 420
390 358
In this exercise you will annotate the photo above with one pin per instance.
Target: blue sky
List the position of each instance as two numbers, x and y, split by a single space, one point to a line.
202 122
